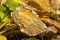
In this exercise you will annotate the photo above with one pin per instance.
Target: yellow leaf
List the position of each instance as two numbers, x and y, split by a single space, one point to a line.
2 37
17 1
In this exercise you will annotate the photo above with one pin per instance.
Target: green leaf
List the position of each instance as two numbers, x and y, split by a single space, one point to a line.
32 38
12 5
2 14
2 8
